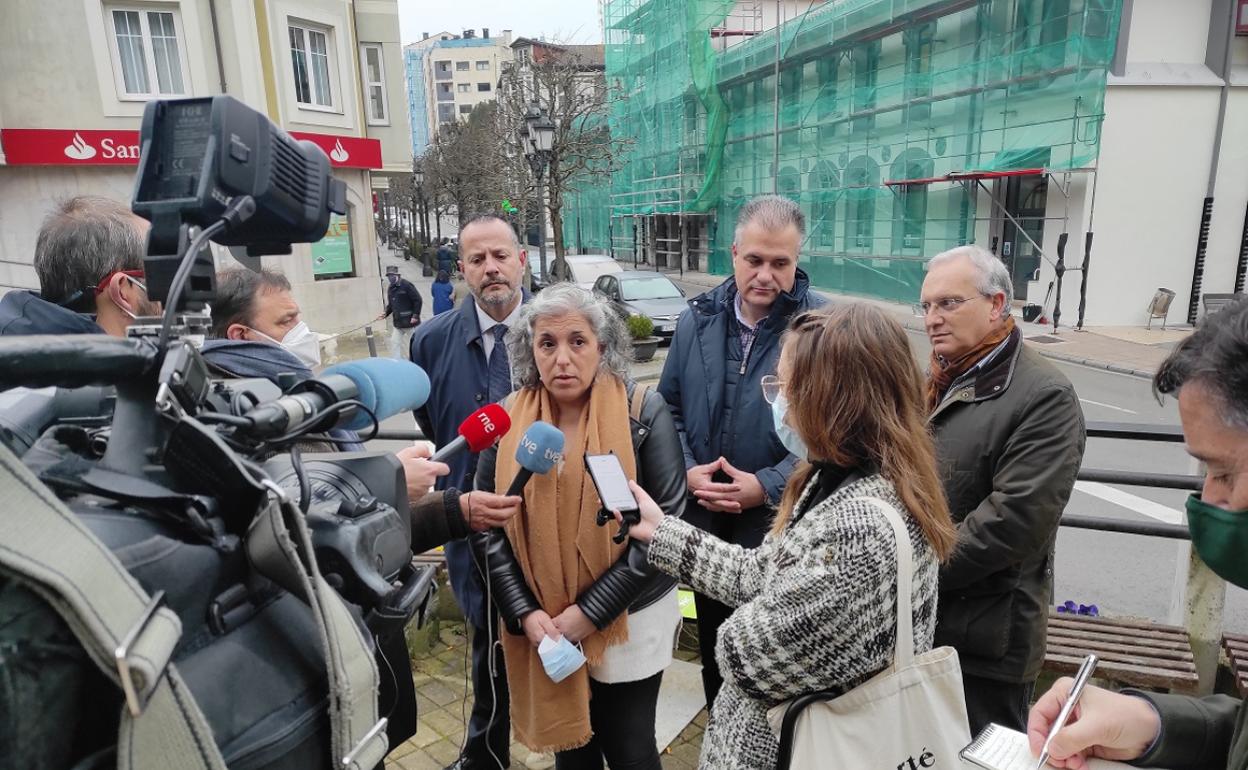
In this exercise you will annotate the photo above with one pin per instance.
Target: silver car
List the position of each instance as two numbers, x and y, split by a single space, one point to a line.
640 292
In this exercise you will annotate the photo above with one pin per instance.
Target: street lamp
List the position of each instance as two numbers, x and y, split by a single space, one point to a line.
418 182
537 137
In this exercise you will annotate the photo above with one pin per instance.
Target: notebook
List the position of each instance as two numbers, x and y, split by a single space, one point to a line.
1000 748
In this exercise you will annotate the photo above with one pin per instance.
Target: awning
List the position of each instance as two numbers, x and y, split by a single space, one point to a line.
959 176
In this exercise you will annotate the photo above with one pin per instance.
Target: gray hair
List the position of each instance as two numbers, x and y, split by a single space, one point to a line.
1216 356
82 240
774 212
561 299
991 276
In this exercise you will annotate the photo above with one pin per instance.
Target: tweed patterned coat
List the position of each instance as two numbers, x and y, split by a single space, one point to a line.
816 610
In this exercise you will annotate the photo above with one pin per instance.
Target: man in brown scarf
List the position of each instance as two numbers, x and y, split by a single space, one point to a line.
1009 435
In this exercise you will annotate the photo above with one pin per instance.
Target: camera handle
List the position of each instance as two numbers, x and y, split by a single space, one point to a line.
630 518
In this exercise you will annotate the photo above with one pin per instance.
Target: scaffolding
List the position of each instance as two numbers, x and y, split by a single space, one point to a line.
833 104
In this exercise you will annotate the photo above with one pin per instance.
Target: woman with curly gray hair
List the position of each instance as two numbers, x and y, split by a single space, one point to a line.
554 573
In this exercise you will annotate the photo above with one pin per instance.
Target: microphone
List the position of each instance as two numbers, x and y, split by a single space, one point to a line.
540 448
386 386
477 433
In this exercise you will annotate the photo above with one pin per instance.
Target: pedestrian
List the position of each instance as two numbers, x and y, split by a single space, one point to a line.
442 291
403 304
89 261
1209 374
724 344
554 570
815 602
446 259
467 363
1009 438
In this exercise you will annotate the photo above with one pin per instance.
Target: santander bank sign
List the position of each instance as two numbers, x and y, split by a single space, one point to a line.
87 147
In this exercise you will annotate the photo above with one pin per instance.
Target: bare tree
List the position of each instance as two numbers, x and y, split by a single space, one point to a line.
570 89
462 167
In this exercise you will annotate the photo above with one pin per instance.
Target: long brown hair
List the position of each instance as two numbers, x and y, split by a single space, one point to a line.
856 398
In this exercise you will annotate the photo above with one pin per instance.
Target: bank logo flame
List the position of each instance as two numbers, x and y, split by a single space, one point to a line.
338 154
79 149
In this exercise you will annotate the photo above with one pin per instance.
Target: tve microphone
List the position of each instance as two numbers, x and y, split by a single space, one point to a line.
540 449
477 433
385 385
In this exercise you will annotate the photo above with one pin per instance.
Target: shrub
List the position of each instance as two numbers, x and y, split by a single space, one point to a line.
640 327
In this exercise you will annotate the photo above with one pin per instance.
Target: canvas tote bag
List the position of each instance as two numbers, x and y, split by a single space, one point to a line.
911 716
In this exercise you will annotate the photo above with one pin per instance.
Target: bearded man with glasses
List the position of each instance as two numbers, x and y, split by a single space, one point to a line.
1009 440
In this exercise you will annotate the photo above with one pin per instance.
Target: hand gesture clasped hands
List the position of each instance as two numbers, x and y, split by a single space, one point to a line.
741 493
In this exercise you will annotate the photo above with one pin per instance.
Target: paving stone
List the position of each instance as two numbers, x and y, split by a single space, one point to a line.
438 692
445 724
419 760
443 751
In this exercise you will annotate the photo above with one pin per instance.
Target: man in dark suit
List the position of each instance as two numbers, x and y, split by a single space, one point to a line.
463 353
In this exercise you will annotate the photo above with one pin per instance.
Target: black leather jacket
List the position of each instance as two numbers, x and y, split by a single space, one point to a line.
629 584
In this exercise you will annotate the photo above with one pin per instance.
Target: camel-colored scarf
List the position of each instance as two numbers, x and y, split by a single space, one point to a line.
942 373
562 551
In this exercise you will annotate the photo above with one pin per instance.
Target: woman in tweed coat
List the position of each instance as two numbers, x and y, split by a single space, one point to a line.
816 602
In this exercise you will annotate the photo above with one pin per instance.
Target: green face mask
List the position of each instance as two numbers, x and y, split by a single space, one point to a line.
1221 538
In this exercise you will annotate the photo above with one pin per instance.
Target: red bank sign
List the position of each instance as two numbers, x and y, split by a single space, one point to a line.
86 147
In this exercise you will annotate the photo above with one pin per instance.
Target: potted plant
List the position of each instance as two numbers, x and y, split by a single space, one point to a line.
645 344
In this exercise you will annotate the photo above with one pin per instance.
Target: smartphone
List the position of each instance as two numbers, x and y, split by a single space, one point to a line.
612 484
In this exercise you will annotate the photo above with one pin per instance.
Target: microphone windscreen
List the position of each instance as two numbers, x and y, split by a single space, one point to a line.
485 426
540 448
387 386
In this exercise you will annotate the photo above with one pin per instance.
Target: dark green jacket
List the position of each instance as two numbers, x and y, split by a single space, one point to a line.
1009 441
1198 733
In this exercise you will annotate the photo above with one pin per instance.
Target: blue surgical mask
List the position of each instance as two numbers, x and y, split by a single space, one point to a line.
784 431
560 658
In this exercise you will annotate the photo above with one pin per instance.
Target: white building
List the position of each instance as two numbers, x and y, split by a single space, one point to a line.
450 75
330 71
1176 116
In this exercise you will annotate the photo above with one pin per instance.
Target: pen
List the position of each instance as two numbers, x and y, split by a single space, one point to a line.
1081 679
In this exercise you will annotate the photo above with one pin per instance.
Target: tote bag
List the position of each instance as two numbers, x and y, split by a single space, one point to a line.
912 715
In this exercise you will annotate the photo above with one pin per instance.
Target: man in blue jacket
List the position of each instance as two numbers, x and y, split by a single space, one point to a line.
89 260
463 354
725 343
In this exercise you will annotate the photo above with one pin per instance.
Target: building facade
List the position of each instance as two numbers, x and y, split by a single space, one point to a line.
450 75
907 128
329 71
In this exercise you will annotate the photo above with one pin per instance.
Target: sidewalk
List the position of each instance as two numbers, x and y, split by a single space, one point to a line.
1136 351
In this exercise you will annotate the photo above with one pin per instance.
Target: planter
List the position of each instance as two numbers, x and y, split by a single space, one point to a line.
645 348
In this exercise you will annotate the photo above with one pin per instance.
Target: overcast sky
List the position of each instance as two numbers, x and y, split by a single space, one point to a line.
568 21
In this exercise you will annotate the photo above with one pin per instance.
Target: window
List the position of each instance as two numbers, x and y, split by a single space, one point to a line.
463 88
861 176
148 61
442 70
866 62
445 94
374 83
483 66
483 87
309 57
465 109
461 66
910 201
446 113
826 71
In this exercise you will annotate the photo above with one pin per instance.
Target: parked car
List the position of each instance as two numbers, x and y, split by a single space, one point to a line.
640 292
585 268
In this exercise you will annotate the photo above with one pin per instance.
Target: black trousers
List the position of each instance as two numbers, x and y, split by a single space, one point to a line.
711 615
988 700
489 727
622 718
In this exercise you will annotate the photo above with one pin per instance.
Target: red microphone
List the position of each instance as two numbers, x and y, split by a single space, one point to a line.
478 432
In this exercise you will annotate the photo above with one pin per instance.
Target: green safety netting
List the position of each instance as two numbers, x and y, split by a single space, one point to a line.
870 92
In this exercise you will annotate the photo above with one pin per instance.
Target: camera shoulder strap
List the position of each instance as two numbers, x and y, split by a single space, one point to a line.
280 548
127 633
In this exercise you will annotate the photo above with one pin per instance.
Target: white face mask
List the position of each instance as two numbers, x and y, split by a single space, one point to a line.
302 342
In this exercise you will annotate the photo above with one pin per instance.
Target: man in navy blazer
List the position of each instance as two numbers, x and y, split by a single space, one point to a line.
463 354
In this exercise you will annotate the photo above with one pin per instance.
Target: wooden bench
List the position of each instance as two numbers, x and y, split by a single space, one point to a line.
1236 647
1131 652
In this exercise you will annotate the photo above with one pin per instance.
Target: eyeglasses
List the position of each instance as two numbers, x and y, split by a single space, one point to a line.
134 275
945 305
772 385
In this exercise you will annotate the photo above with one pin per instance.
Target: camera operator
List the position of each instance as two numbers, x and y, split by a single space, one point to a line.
253 317
89 259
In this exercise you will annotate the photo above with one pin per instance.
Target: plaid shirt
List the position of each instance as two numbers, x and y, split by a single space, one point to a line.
745 329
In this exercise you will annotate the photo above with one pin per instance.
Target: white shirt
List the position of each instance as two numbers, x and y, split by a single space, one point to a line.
487 325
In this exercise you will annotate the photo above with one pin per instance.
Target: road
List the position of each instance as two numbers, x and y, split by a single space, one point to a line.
1121 574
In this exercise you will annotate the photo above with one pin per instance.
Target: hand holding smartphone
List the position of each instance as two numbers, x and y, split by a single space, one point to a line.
612 485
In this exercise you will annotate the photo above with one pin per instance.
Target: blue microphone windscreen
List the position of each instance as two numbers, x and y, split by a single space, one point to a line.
387 386
540 448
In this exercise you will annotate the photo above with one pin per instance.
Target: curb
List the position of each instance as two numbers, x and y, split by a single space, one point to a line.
1094 364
